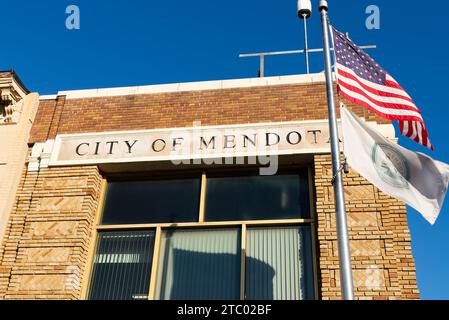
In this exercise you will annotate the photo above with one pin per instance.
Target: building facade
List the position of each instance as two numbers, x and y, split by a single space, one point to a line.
207 190
17 110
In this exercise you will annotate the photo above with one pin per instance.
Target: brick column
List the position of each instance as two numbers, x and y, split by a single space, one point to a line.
45 251
382 261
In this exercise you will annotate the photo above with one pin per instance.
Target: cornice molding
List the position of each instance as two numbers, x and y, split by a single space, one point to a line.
12 93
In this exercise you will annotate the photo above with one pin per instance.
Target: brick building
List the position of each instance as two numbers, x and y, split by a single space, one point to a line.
157 192
17 110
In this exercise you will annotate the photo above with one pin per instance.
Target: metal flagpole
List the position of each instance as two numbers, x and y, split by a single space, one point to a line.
306 44
339 197
304 12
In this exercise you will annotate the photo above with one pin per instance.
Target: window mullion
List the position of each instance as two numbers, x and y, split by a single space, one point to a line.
313 226
155 264
243 263
202 198
312 213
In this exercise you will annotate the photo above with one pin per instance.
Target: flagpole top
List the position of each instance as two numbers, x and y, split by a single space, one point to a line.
323 5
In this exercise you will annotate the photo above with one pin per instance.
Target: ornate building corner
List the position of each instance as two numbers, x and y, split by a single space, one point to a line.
12 91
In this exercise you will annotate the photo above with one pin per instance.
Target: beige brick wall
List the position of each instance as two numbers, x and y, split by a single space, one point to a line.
46 245
382 261
13 152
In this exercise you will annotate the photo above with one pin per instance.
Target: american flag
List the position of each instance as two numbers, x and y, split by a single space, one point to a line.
363 81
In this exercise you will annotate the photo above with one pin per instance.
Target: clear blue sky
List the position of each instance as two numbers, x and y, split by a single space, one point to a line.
126 43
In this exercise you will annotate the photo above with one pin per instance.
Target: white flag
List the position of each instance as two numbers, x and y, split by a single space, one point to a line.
409 176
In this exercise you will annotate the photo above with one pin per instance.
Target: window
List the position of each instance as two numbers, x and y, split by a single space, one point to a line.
211 236
252 197
200 265
122 265
152 201
279 264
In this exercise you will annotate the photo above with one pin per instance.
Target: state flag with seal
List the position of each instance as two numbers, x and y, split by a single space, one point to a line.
412 177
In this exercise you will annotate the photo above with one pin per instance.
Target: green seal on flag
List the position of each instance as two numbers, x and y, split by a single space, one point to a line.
397 175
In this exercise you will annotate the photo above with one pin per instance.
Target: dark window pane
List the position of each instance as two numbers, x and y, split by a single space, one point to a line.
122 266
284 196
279 264
152 201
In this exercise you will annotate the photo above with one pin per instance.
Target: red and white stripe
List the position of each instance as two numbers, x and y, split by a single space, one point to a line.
389 101
416 131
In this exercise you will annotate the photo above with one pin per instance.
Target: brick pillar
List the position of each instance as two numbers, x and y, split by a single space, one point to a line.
45 251
382 261
56 117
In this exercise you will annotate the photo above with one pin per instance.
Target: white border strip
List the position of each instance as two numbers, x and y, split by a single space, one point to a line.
48 97
190 86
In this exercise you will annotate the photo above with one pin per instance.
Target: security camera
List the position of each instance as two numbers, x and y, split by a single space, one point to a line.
304 9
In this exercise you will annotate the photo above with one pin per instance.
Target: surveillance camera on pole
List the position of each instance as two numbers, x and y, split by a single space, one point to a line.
304 9
304 12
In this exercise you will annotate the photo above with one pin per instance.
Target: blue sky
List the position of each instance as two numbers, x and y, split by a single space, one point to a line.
126 43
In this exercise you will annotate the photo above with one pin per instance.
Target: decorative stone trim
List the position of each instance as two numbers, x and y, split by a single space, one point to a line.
11 95
40 156
10 112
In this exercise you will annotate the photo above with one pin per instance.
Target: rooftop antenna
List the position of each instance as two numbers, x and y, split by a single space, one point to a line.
304 13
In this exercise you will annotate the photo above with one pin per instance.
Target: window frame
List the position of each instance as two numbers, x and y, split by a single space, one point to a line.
159 228
98 243
155 177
